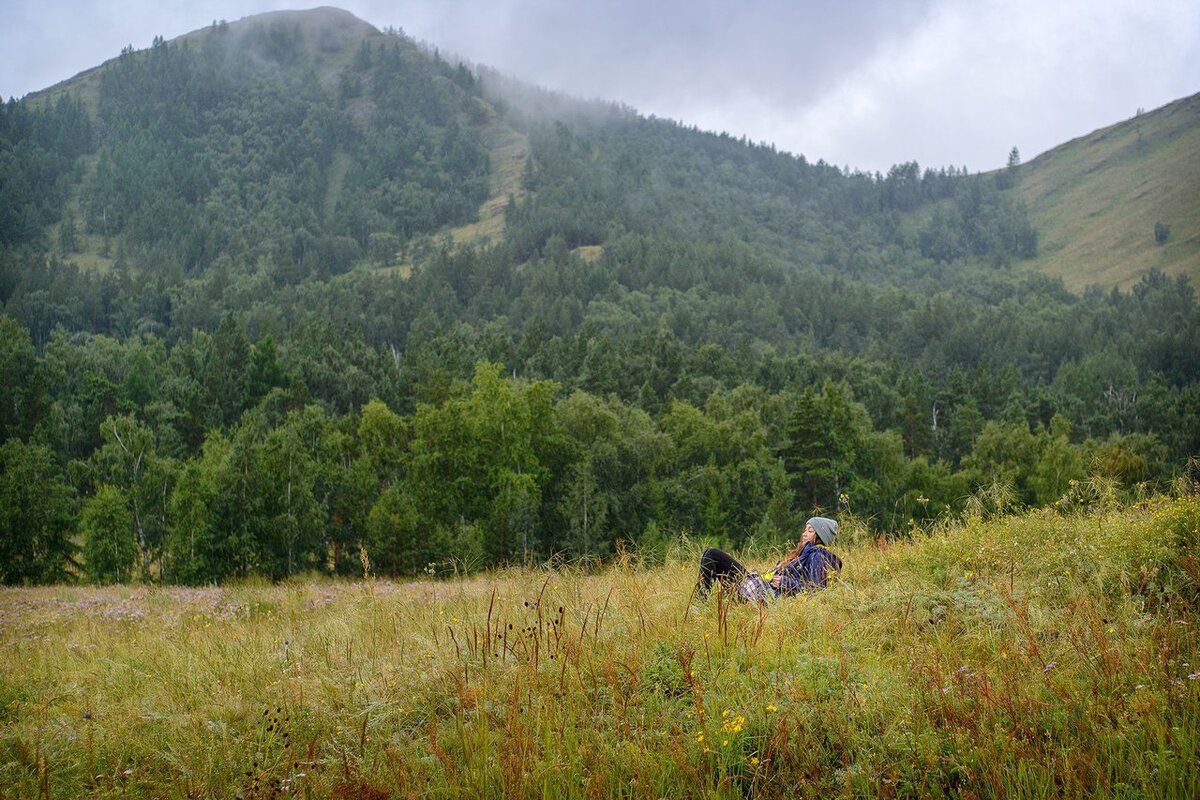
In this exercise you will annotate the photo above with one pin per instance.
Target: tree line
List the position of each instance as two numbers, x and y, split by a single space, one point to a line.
124 461
678 333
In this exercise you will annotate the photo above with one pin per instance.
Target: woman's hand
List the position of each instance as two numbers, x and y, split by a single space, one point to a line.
783 564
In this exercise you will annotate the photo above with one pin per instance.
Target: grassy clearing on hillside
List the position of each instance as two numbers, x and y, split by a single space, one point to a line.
508 150
1095 200
1035 655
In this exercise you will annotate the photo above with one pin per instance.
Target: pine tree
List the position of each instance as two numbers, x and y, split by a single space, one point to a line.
808 455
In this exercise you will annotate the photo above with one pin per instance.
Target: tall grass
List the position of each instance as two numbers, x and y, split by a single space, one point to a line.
1040 655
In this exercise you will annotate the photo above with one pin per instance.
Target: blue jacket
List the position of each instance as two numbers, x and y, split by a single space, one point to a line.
810 570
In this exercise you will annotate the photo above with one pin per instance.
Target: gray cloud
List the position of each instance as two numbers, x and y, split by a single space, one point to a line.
866 83
700 62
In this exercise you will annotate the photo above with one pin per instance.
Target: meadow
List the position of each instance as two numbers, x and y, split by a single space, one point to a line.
1044 654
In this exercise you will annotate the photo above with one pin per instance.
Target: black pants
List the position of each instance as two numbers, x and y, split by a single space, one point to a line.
717 565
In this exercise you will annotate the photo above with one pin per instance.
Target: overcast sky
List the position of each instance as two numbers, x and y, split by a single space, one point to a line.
863 83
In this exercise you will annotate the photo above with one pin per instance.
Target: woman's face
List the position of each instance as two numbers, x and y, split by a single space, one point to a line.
810 535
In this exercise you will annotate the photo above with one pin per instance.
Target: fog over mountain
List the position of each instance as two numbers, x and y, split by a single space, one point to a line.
863 83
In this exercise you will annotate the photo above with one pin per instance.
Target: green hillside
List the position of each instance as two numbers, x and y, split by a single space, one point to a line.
287 138
327 36
1096 200
330 47
468 321
292 138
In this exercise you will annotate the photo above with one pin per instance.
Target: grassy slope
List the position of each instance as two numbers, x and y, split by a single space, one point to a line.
1095 200
1038 655
508 149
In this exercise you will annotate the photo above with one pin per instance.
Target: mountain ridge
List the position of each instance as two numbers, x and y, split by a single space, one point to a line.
1094 202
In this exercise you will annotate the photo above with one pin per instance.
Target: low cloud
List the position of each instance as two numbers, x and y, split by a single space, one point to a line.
864 84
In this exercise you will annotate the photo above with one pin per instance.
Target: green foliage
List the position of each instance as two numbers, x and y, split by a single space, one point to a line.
502 471
480 458
1058 464
664 673
35 515
39 150
700 336
263 373
1162 232
128 462
383 435
288 528
110 545
204 543
18 362
809 455
206 150
1130 460
394 539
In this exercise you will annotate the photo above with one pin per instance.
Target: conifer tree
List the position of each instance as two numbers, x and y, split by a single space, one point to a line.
808 454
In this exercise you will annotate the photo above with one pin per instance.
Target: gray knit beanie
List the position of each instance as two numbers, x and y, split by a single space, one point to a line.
826 529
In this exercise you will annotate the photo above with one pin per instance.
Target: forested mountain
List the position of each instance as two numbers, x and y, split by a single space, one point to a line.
294 294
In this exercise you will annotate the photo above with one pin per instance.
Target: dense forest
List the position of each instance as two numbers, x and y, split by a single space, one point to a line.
212 365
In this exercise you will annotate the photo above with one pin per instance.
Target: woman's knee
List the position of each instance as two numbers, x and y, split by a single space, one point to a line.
712 561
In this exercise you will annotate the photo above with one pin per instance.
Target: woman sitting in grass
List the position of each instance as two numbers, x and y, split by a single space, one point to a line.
807 567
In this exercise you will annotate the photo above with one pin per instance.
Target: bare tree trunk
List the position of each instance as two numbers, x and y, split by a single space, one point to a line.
142 543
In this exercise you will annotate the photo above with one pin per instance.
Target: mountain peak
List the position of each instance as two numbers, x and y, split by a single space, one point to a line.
313 20
322 31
